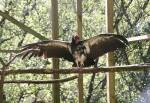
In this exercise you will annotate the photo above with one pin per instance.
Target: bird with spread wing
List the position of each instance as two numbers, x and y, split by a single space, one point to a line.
82 53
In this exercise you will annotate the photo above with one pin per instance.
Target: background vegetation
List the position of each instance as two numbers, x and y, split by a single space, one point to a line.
132 18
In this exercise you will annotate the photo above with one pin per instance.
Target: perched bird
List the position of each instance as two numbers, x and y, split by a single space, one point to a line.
82 53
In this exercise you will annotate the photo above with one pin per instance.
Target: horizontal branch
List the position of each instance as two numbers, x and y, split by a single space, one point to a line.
9 51
135 67
43 81
138 38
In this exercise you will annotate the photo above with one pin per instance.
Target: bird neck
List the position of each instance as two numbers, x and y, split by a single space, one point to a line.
74 42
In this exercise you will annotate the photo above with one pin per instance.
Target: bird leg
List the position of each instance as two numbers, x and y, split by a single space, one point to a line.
82 64
77 63
45 54
82 60
96 61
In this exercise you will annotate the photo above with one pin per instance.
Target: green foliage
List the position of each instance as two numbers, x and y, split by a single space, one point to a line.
131 19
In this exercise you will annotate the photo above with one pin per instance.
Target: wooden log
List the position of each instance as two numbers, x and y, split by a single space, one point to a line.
138 38
9 51
134 67
43 81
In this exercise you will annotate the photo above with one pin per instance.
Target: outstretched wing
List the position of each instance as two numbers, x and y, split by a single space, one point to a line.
48 49
103 43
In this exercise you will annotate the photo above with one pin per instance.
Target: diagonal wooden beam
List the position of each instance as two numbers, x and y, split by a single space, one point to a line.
22 26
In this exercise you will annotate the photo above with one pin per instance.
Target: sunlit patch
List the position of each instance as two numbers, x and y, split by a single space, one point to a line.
144 96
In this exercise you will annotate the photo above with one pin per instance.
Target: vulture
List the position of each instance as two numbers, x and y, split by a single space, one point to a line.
82 53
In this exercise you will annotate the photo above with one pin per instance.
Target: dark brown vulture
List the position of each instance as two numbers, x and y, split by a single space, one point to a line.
81 52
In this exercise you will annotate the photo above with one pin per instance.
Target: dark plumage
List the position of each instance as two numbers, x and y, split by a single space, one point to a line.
81 53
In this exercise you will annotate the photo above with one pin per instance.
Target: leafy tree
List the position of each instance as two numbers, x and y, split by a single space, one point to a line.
27 21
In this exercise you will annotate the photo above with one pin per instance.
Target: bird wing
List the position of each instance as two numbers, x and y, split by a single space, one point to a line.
48 49
103 43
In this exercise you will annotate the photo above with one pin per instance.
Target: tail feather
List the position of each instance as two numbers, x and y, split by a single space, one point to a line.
123 39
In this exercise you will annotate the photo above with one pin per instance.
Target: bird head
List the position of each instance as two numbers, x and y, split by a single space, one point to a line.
75 39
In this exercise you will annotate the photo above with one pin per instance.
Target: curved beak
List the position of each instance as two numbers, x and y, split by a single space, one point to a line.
77 40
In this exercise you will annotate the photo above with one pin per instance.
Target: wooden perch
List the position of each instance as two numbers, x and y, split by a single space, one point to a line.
9 51
134 67
138 38
43 81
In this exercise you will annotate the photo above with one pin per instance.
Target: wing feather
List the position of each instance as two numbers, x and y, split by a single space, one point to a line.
50 49
103 43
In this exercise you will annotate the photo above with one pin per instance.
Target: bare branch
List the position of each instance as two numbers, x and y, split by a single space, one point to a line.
4 40
134 67
140 14
91 85
128 20
2 22
7 64
123 8
2 62
9 51
90 89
